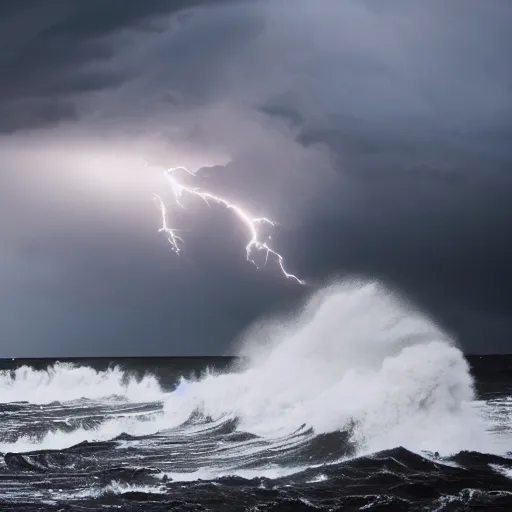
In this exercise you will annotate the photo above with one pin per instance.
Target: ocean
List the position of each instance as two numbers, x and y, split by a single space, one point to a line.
97 434
329 411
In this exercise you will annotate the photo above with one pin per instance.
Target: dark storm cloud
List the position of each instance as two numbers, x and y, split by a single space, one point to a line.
55 51
443 240
377 134
417 117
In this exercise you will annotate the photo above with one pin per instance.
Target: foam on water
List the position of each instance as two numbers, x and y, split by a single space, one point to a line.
111 428
70 384
113 488
213 473
355 354
65 382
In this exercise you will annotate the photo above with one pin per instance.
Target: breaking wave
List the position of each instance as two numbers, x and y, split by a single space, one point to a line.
356 360
356 357
64 382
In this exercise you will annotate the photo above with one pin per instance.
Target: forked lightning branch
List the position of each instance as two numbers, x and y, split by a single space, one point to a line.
256 241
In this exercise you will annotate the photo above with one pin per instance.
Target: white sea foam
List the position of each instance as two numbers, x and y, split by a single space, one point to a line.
355 353
64 382
111 428
502 470
113 488
213 473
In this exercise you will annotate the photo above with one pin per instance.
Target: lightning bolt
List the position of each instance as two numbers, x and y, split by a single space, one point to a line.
252 224
173 238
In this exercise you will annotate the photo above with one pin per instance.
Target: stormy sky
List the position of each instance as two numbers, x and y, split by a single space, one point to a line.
377 134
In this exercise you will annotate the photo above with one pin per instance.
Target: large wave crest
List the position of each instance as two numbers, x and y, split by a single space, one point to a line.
357 357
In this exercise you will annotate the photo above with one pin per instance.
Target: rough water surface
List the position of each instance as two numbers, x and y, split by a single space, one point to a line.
326 411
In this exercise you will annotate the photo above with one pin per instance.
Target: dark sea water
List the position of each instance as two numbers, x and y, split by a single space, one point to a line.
154 434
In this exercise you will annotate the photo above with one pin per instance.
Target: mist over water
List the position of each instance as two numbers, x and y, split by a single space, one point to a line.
346 398
355 357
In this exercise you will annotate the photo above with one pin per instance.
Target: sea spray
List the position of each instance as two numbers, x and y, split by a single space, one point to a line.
355 353
65 381
354 358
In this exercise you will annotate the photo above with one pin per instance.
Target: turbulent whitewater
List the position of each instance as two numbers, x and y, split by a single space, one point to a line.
356 400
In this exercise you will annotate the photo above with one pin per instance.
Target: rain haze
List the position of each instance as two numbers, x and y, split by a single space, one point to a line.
377 135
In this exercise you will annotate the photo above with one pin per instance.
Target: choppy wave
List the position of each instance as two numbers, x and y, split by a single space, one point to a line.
55 436
355 358
67 404
357 386
395 479
358 400
65 382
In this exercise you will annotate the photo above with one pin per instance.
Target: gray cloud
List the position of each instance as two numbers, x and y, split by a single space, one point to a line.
377 134
56 51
